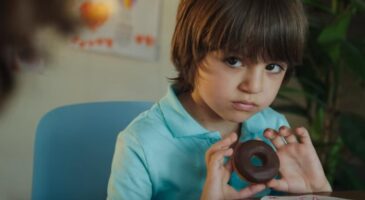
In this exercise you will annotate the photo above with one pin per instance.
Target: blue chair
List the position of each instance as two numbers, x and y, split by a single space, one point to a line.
74 147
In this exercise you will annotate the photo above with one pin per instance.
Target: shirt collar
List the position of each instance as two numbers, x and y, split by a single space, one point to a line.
182 124
178 120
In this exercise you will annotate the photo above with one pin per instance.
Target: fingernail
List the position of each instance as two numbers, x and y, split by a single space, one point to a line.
268 130
282 128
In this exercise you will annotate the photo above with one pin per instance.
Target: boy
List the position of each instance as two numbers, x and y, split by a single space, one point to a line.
232 57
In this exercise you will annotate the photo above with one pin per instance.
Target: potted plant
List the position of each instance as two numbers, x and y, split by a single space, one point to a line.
334 57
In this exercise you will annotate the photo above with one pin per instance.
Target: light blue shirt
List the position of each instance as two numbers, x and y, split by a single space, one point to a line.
160 155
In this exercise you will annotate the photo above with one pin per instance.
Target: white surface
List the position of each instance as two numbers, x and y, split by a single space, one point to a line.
302 197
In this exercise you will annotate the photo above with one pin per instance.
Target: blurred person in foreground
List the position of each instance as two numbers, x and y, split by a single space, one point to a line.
20 20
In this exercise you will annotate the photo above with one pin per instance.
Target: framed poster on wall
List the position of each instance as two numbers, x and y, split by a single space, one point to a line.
120 27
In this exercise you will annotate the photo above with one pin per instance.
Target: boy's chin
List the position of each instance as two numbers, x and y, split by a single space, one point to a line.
239 118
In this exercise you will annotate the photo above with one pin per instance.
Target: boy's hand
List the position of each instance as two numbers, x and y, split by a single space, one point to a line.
216 185
300 168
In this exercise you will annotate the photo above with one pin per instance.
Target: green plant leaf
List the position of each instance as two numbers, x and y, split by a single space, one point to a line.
349 176
337 30
332 35
319 120
317 4
355 60
316 127
356 181
333 159
360 4
352 128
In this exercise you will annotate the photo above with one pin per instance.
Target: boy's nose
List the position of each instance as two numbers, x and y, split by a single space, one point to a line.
252 81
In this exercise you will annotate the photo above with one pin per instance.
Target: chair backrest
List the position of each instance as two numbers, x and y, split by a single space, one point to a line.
74 147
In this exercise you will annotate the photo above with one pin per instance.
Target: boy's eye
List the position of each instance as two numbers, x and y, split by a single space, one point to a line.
274 68
233 61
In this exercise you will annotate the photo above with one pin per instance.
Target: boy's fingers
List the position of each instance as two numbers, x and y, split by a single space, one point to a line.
275 138
220 145
269 134
248 191
229 166
288 135
217 159
225 143
278 184
229 169
303 135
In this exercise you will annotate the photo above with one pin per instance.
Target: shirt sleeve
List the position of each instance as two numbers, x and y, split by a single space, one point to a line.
129 177
282 121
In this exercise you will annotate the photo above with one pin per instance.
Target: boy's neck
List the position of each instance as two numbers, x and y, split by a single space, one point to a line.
208 120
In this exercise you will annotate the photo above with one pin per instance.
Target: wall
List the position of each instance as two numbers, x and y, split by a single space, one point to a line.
72 76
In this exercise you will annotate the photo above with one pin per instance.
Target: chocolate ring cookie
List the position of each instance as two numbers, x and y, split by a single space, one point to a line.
242 161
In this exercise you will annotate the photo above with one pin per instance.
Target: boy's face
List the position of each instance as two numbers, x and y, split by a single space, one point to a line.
233 89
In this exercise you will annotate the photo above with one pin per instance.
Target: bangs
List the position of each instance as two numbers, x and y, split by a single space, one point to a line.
270 30
258 30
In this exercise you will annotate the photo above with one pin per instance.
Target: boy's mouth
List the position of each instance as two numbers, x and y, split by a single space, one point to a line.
244 106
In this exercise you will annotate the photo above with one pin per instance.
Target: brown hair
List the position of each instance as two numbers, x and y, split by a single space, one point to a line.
269 29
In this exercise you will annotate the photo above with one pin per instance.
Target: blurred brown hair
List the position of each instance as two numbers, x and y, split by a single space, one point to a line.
268 29
19 21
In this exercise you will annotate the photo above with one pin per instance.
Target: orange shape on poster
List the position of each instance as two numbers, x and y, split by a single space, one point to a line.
109 42
128 3
139 39
150 41
99 41
94 14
